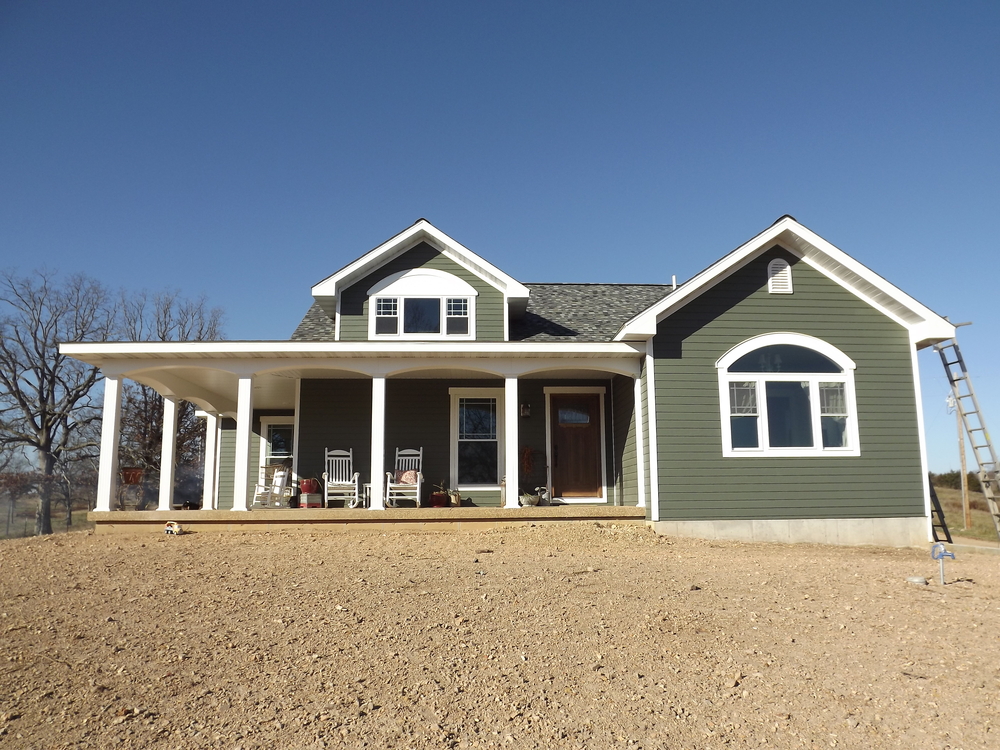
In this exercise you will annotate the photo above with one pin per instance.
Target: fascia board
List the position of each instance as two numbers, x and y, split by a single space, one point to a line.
125 351
820 254
408 238
643 325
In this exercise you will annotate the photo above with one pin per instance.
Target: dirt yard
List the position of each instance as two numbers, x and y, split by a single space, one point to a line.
541 637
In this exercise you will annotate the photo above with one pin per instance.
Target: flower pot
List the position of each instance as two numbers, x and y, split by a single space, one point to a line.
309 486
439 500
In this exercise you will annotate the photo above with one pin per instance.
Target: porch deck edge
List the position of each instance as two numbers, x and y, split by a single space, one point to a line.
423 519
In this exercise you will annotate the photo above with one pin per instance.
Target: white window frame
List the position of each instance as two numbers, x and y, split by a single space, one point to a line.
422 283
853 447
265 444
460 393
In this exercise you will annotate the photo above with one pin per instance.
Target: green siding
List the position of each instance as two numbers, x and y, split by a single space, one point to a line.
697 482
336 415
354 299
624 460
227 458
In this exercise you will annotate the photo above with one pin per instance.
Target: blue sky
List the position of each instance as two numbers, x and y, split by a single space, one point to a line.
246 150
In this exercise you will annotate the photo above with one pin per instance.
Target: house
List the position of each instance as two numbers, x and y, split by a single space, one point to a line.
775 395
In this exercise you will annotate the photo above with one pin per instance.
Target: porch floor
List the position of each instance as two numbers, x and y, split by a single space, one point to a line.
337 519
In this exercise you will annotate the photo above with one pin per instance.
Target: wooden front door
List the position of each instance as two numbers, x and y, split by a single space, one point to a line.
576 444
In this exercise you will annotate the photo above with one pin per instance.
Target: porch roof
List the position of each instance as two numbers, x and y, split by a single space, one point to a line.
103 352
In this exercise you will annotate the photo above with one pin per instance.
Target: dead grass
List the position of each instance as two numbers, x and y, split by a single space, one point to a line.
982 525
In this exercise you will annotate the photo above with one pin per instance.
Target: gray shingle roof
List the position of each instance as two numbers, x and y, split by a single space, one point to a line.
556 312
582 312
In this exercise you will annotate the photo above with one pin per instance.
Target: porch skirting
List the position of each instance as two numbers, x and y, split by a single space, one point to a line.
336 519
883 532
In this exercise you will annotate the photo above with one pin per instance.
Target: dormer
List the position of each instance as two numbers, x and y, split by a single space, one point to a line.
421 285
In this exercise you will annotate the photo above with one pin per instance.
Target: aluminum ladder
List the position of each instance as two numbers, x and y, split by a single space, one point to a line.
972 417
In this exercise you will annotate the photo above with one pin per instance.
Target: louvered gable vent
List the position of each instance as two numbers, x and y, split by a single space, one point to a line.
779 277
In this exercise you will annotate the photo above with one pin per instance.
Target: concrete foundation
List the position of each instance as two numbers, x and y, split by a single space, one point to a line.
883 532
338 519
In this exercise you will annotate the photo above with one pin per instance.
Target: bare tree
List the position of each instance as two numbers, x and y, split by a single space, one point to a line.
46 399
164 316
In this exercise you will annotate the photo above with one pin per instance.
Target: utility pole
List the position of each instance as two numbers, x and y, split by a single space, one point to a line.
966 510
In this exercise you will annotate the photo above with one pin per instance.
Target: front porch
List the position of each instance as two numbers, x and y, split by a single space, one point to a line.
346 520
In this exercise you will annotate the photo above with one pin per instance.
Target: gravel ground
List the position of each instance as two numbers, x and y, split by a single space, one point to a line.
537 637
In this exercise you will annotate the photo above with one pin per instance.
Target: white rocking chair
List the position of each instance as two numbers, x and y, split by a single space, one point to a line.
340 480
406 481
274 489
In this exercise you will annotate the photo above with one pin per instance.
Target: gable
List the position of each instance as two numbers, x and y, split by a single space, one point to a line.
925 327
354 300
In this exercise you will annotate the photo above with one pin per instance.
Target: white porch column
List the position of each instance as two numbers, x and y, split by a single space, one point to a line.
378 444
209 500
107 474
244 427
511 414
640 442
168 449
654 472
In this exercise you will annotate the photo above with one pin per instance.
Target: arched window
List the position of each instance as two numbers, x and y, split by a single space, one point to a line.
787 394
422 303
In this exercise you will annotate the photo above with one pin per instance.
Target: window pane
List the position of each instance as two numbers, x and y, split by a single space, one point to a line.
743 398
279 438
458 307
744 431
789 422
477 419
458 326
478 462
422 316
834 432
570 415
386 325
832 399
784 358
385 306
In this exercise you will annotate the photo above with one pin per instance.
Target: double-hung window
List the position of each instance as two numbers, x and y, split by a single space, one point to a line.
787 395
476 437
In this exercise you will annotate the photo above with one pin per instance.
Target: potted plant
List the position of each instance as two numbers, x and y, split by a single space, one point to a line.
441 496
309 486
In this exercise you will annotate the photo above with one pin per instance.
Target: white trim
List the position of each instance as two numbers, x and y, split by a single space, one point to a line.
785 338
640 442
168 451
511 424
210 475
654 469
377 465
922 439
295 429
422 282
336 322
107 472
264 444
563 389
500 395
763 450
160 351
244 428
925 325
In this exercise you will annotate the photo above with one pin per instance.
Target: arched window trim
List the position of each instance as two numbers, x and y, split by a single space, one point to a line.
813 383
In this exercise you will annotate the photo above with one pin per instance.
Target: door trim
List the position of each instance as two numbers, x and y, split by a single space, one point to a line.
600 390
